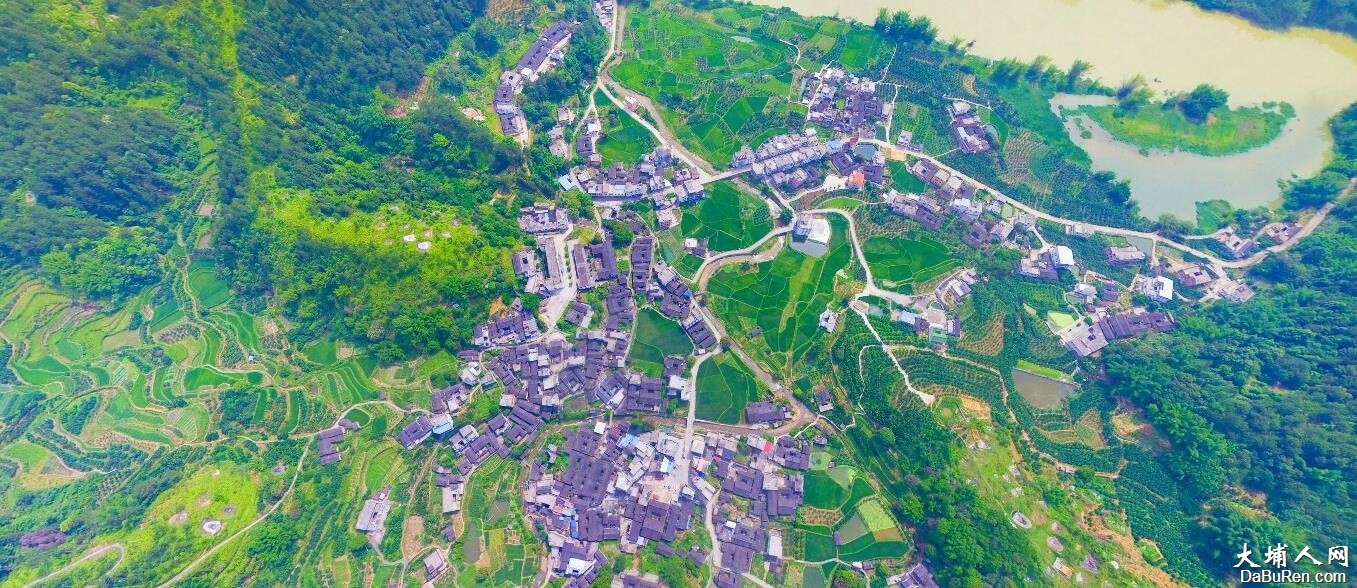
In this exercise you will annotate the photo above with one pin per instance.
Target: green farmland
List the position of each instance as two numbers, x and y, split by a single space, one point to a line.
657 336
783 298
716 92
727 218
897 260
624 139
724 387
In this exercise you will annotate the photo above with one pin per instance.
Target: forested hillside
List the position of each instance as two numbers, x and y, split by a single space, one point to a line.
117 125
1258 397
1335 15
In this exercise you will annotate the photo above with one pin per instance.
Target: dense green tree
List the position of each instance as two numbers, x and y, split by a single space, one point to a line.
1198 104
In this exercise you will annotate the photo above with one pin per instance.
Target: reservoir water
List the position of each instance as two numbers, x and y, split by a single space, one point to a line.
1176 46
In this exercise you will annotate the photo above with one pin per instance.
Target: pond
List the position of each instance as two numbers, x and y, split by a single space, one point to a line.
1176 46
1040 391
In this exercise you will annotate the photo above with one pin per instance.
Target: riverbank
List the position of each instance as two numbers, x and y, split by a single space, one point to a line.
1163 127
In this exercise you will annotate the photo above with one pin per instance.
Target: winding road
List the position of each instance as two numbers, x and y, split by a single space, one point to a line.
297 471
898 154
93 553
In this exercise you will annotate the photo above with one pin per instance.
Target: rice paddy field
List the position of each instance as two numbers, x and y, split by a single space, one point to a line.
727 218
624 140
783 298
841 501
724 387
898 261
657 336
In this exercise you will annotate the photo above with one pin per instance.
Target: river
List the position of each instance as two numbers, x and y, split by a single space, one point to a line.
1176 46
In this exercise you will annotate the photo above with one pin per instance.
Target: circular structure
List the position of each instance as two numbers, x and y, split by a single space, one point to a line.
211 527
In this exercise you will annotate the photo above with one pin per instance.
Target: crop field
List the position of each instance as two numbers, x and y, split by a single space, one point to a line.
835 488
897 260
624 139
673 53
917 119
210 290
1026 160
926 368
842 203
783 297
496 545
861 46
727 218
904 181
657 336
863 522
724 387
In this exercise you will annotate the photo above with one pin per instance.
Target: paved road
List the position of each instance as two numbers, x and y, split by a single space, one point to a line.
605 78
894 152
712 264
871 289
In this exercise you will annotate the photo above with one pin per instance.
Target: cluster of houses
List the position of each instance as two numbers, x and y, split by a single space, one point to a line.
972 135
559 147
649 488
777 160
636 489
519 326
606 11
1270 235
982 221
760 485
546 222
547 52
595 263
328 439
858 113
1089 335
545 279
861 163
659 175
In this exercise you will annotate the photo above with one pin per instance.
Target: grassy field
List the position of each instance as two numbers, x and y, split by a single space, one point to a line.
724 387
896 260
1164 127
657 336
715 92
842 203
783 297
1213 215
1011 485
904 181
727 218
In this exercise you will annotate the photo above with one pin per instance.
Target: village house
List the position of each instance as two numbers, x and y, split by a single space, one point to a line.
1193 275
541 219
1237 246
1125 255
968 130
